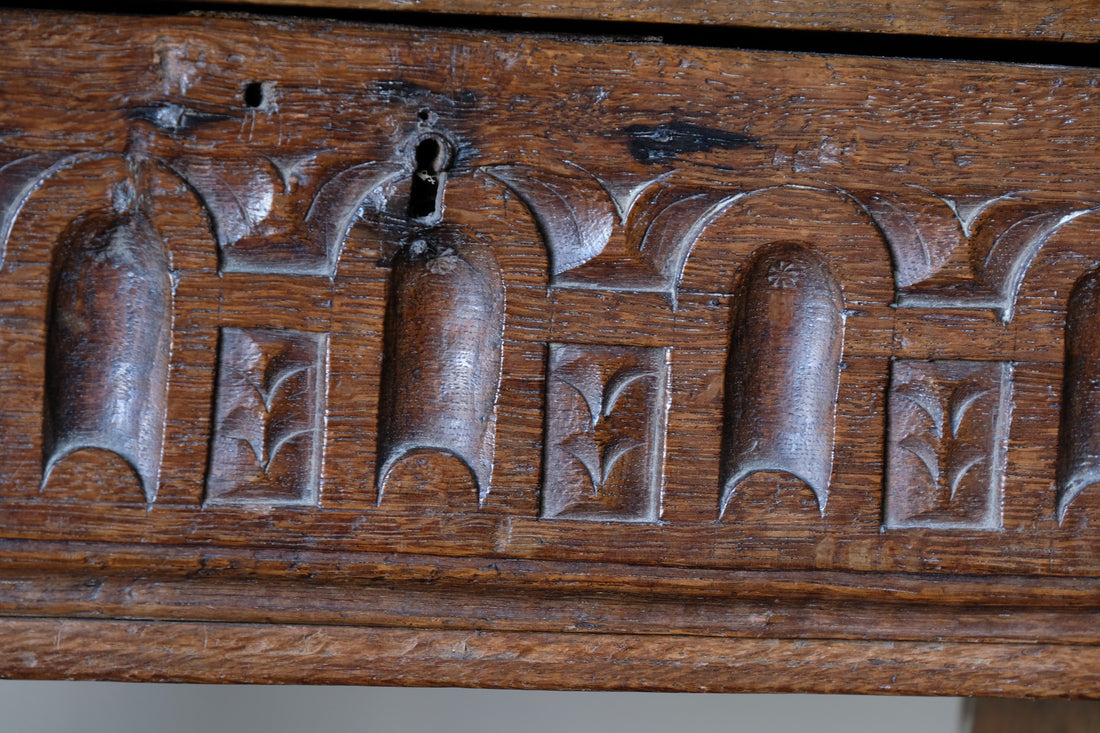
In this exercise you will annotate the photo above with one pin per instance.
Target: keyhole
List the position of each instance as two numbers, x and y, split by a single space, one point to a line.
426 194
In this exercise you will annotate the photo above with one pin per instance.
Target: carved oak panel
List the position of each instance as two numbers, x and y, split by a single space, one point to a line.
269 417
605 427
505 353
948 434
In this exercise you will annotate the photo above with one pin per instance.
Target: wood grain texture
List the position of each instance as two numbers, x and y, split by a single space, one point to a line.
180 652
1048 19
601 226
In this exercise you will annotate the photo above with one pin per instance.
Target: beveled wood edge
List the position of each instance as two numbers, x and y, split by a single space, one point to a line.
136 651
180 584
165 562
1051 20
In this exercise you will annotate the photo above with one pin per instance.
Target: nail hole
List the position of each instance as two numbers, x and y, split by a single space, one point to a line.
426 194
424 114
254 94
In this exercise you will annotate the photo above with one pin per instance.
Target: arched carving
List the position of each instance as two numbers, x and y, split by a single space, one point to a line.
784 370
109 339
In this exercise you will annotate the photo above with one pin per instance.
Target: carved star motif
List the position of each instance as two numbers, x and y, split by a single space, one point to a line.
784 274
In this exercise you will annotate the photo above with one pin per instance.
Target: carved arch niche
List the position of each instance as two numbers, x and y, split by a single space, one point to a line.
1061 382
114 352
802 358
1008 375
420 281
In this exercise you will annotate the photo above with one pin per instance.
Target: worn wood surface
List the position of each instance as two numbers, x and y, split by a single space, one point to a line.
1051 20
591 351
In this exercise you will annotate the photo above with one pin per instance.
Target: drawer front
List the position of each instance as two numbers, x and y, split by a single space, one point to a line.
478 357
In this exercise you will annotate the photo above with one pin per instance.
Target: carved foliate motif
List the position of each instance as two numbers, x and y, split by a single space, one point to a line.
605 432
20 175
249 237
946 443
654 225
998 234
269 417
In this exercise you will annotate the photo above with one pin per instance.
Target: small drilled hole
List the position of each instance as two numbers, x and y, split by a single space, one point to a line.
254 95
424 114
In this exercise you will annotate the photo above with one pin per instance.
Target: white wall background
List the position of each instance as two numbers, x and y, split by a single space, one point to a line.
106 707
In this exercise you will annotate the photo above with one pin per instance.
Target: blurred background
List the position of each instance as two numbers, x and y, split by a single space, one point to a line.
102 707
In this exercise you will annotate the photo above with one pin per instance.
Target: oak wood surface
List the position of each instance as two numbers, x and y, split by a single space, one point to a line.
1052 20
141 651
575 297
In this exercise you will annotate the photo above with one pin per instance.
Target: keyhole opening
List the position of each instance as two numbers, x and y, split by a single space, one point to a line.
426 194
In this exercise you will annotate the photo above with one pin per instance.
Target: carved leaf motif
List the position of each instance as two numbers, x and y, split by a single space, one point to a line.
1003 234
246 423
920 237
21 175
1012 250
267 423
587 383
269 397
599 464
623 193
591 424
235 209
962 397
583 448
968 209
339 201
574 214
965 461
926 399
669 234
612 452
960 457
619 381
926 452
962 462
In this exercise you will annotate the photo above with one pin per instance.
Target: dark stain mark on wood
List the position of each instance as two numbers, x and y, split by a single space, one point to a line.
175 118
393 91
670 140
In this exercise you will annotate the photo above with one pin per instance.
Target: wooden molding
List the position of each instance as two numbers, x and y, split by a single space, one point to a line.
1048 20
338 353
